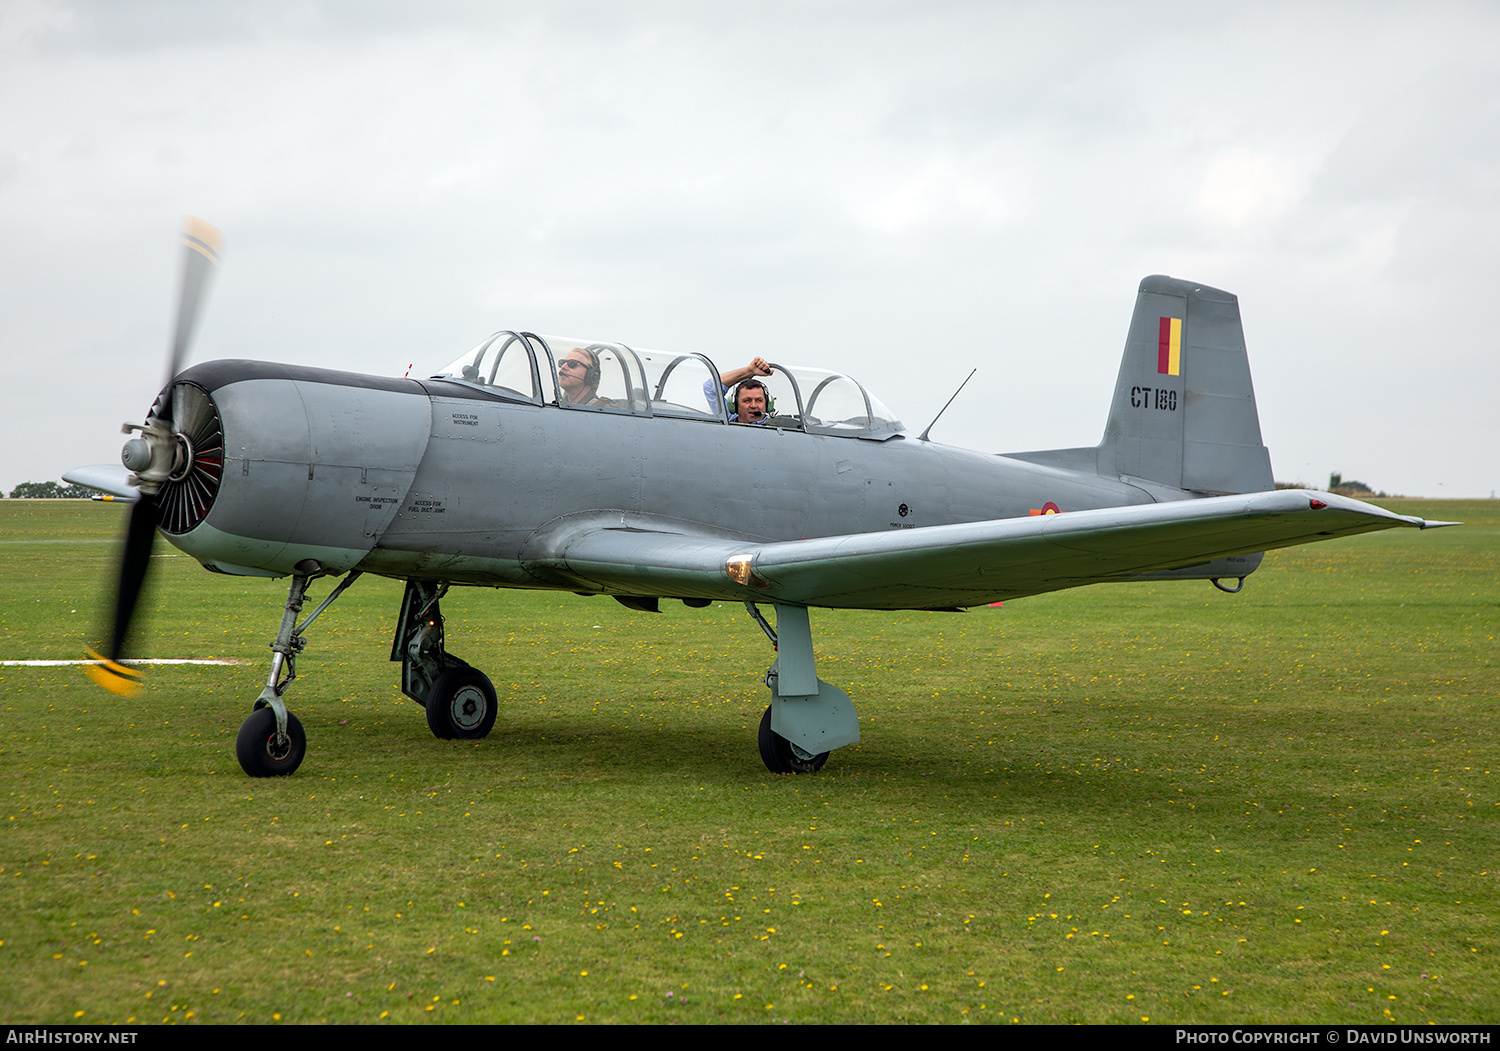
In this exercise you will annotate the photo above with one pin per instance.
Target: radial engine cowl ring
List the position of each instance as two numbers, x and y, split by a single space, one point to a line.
197 460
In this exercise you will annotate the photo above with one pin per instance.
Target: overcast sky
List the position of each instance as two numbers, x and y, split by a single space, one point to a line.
899 190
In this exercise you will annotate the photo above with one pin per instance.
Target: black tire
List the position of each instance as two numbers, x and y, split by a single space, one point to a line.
461 704
258 751
437 714
776 752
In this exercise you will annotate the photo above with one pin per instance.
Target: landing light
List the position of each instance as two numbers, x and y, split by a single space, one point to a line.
738 569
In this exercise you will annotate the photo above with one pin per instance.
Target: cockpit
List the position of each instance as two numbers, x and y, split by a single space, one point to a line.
590 376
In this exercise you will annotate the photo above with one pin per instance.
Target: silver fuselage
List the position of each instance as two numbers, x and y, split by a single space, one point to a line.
433 479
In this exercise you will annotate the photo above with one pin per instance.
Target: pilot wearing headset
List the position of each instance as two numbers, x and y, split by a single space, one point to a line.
578 375
750 402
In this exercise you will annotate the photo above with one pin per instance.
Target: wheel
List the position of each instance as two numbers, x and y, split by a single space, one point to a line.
261 754
461 703
780 756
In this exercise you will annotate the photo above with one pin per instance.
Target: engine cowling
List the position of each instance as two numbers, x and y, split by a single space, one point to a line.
273 464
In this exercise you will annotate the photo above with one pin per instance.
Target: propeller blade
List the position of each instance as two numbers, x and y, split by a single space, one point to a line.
202 247
135 560
150 456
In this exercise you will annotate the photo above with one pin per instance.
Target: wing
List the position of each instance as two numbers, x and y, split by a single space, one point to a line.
946 566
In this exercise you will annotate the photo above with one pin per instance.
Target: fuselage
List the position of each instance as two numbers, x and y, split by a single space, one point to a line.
437 479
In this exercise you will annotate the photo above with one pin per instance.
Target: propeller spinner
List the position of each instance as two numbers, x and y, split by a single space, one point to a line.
177 458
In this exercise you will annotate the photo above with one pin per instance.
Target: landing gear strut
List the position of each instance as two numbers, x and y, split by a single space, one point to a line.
459 698
271 742
808 717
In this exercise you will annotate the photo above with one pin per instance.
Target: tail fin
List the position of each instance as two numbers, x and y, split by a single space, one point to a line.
1184 410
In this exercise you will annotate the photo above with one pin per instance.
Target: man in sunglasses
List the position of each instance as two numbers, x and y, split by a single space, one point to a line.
578 375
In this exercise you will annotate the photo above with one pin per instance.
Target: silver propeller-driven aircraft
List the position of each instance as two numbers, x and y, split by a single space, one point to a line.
259 469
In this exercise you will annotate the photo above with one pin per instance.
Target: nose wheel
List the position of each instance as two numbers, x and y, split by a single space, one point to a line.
263 752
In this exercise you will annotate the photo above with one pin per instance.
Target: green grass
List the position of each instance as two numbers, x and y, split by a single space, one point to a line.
1123 803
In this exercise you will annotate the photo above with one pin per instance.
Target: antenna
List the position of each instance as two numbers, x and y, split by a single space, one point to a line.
923 436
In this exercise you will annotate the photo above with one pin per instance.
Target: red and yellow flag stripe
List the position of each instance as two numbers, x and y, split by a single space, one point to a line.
1169 347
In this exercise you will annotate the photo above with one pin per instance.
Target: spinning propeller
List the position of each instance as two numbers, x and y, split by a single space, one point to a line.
177 458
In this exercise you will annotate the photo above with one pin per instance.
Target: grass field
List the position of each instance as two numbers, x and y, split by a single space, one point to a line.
1123 804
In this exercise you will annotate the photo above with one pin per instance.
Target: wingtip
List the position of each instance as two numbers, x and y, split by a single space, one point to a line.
112 675
1317 501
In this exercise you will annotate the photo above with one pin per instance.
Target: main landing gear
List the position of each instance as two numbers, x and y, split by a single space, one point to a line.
459 698
807 717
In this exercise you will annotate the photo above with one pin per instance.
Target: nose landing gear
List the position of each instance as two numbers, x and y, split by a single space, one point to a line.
271 743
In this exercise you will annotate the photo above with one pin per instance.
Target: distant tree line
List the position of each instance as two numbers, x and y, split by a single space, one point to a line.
1337 483
49 491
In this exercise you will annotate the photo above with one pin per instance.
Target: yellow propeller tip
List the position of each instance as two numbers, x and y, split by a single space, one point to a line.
112 675
202 238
